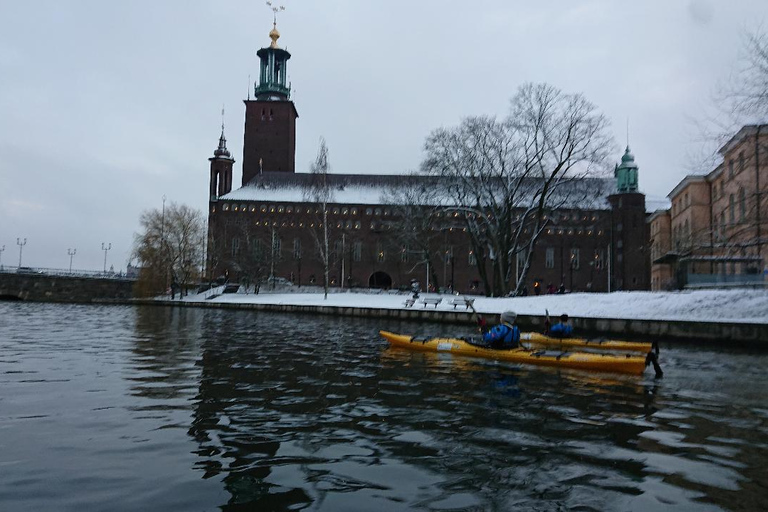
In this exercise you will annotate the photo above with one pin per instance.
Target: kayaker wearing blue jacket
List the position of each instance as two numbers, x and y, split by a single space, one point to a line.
562 329
504 335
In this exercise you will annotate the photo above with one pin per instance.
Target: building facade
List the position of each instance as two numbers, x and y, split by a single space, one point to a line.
269 229
716 228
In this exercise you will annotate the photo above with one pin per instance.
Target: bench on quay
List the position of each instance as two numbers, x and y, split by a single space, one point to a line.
431 301
409 302
467 303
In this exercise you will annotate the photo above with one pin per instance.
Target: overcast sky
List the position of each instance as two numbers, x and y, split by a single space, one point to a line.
106 106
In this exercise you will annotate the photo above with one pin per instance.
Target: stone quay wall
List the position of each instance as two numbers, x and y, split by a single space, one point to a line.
53 288
727 333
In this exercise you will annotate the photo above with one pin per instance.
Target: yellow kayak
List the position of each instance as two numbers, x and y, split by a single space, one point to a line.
615 363
600 344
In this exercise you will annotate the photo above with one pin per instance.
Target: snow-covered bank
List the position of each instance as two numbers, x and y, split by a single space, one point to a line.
744 306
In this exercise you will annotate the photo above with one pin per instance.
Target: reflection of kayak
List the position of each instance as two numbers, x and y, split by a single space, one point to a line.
601 344
616 363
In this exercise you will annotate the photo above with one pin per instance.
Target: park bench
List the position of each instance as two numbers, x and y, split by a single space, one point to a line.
461 301
430 300
409 302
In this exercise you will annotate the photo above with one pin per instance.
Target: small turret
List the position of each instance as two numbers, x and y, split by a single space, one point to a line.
626 173
221 168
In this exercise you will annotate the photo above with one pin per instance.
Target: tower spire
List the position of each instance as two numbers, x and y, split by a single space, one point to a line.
222 151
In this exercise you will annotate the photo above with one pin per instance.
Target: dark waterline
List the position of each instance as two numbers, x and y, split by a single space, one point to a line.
121 408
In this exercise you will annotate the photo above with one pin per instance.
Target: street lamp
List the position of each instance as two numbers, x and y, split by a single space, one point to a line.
105 249
162 245
71 253
1 256
21 247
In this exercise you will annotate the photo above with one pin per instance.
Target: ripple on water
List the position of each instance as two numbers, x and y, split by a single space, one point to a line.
225 411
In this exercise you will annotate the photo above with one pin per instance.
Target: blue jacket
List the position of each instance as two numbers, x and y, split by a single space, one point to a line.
560 330
503 336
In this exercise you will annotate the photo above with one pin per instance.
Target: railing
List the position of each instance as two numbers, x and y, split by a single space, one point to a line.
725 280
63 272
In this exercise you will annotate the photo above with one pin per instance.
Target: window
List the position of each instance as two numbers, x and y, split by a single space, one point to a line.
732 208
550 257
741 161
575 258
380 254
730 168
235 246
357 251
619 227
258 248
521 263
742 205
369 211
278 248
404 254
296 249
599 258
472 258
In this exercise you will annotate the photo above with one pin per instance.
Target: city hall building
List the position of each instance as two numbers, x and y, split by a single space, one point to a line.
268 227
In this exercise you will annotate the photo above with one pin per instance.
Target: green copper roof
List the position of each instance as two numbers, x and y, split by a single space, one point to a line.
628 160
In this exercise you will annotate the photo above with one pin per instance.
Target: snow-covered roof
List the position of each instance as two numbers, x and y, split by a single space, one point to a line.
375 189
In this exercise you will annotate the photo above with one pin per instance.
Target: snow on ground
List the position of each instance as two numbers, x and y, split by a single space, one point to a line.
748 306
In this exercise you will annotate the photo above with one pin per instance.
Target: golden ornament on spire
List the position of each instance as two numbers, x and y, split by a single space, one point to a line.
274 35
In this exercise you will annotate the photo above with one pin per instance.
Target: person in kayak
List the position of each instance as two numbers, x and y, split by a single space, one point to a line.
562 329
504 335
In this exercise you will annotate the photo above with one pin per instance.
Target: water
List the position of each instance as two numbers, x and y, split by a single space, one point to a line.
121 408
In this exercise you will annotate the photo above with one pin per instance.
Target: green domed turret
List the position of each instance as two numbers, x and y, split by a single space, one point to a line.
626 173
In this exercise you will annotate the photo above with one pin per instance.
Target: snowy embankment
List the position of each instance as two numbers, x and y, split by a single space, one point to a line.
746 306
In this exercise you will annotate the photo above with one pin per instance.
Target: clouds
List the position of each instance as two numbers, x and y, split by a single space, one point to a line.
106 106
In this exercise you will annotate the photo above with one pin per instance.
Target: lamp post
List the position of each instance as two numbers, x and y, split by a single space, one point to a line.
21 247
162 246
105 249
71 253
1 256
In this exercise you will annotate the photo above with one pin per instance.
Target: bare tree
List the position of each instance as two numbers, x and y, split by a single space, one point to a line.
319 191
504 176
416 222
747 94
169 245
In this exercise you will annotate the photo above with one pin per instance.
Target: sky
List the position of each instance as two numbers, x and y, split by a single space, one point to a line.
106 107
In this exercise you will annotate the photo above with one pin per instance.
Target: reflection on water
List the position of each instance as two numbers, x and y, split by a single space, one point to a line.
180 409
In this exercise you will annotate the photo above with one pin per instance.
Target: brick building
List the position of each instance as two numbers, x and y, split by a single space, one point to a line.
715 230
267 227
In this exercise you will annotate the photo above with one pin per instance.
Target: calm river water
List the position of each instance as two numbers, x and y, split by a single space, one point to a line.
140 408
